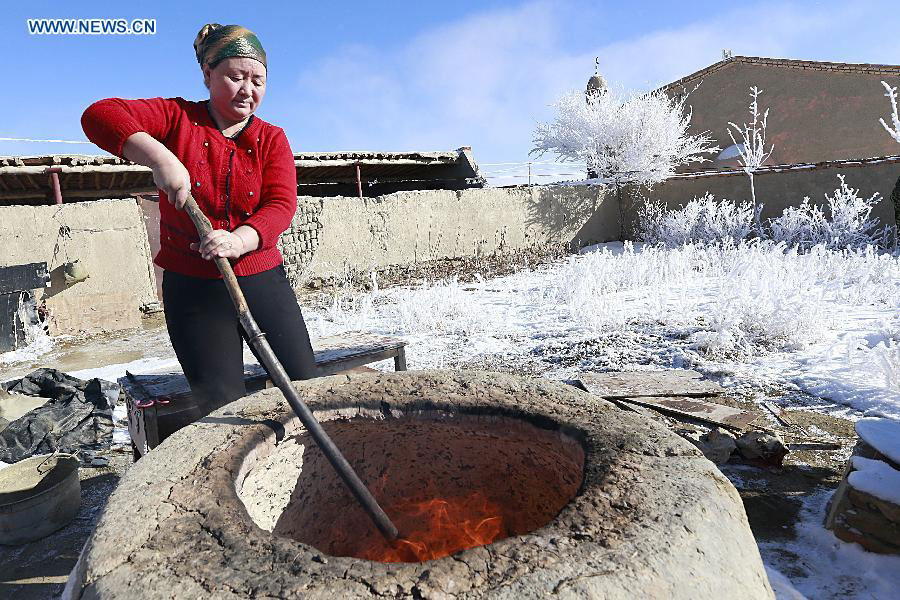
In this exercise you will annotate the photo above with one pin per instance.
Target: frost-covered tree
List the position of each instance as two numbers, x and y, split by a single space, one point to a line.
752 147
891 93
635 138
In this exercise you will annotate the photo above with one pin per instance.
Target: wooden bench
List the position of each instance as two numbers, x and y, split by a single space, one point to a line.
149 426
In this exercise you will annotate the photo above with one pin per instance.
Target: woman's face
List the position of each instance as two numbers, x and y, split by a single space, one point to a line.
236 87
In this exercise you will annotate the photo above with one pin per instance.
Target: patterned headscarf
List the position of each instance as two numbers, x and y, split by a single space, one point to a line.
216 42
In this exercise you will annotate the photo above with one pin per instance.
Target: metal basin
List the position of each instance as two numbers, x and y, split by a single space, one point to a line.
38 496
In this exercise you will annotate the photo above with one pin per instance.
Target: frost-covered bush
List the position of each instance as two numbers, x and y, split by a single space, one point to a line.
727 300
640 305
639 138
702 221
847 223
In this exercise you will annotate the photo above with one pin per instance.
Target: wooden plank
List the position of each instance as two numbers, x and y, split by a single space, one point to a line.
141 425
343 348
776 413
356 360
637 384
698 410
681 394
400 360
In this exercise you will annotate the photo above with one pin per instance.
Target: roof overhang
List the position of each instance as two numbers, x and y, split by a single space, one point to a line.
27 179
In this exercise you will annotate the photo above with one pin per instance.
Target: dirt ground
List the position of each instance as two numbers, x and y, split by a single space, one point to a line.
319 291
75 353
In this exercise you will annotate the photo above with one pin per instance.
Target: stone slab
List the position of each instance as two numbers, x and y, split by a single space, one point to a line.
637 384
700 410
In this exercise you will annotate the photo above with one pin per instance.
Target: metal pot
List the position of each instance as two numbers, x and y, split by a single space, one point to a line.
38 495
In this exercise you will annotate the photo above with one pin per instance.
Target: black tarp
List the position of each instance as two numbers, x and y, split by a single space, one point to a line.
76 419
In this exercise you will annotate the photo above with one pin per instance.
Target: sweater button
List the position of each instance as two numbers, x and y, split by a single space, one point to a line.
249 151
206 143
246 213
198 184
251 193
195 122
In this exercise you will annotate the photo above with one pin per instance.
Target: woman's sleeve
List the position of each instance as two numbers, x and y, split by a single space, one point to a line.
278 196
111 121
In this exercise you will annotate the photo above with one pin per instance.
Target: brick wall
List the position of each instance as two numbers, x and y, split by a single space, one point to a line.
298 244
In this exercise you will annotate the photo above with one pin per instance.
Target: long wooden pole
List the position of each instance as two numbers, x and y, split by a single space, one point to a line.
280 378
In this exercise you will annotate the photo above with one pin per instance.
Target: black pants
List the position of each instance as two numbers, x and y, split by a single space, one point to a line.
207 336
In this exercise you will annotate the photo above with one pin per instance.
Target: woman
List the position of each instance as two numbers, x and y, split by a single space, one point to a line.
240 170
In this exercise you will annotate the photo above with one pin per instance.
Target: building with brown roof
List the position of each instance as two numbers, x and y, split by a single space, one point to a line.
818 111
823 121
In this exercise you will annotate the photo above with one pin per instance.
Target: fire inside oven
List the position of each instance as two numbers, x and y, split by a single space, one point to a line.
449 482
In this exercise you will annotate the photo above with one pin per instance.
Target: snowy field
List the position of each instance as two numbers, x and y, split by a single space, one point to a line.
825 324
820 330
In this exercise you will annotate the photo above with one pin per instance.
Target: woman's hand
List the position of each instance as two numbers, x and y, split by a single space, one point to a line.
169 174
227 244
222 243
173 178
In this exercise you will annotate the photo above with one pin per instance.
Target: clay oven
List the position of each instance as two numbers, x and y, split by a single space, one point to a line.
503 487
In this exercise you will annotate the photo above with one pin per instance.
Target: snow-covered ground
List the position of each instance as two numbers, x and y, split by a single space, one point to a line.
759 317
820 329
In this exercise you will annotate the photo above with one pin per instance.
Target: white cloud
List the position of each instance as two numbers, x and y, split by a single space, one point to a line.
486 79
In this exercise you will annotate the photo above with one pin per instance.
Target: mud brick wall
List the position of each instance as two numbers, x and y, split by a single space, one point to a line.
336 235
109 239
299 242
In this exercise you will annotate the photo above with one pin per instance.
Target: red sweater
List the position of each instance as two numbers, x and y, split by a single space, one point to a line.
248 181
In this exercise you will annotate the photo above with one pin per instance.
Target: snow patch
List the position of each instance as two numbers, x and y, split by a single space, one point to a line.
876 478
823 567
782 586
115 371
881 434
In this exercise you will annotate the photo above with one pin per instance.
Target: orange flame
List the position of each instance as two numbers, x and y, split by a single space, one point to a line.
438 527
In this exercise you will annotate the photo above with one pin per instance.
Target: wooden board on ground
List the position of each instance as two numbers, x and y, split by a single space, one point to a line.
697 409
681 394
636 384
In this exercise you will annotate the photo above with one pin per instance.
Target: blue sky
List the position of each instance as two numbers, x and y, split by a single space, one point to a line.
413 75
